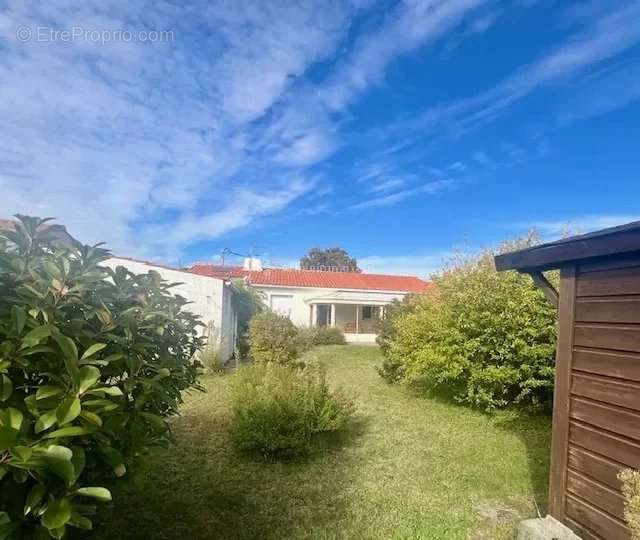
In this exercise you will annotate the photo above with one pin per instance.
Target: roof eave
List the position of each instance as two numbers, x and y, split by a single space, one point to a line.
624 240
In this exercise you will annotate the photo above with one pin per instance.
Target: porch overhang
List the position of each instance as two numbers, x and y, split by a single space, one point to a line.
344 297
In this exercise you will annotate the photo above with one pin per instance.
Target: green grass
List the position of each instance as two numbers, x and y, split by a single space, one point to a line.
410 468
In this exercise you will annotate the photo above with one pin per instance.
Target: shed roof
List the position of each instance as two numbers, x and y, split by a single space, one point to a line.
620 240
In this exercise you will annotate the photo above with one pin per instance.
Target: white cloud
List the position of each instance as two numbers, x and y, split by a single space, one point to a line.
458 166
124 139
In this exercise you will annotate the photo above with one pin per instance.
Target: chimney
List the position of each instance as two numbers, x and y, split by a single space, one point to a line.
252 263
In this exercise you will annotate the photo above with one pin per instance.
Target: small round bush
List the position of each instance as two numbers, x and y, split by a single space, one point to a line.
328 335
279 410
314 336
273 338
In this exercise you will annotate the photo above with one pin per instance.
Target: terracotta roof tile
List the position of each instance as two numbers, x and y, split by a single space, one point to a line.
315 279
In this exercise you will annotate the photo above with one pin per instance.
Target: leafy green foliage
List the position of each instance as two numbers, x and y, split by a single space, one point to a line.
273 338
92 362
327 335
631 490
330 258
248 302
314 336
391 369
486 337
278 410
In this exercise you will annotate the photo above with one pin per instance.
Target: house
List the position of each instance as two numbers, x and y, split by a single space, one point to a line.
351 301
210 297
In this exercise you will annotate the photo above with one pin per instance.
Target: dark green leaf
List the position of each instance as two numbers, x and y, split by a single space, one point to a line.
8 437
78 461
57 515
91 417
70 352
96 347
46 421
58 459
68 411
38 333
71 431
20 317
34 498
11 417
48 391
88 376
6 387
80 522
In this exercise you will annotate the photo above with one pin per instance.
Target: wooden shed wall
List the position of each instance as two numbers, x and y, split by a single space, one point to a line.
596 430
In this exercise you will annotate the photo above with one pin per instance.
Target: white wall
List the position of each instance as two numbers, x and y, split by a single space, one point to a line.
212 300
300 310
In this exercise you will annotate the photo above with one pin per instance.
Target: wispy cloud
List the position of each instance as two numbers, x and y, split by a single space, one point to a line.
399 196
387 185
610 35
190 137
458 166
412 24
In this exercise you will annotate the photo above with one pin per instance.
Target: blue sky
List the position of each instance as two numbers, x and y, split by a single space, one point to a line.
401 131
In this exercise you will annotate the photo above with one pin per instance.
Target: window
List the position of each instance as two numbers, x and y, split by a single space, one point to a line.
282 304
369 312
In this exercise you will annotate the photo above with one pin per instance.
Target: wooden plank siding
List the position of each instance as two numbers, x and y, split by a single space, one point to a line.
597 431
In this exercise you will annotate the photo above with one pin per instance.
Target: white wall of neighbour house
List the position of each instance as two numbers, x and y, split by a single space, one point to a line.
294 302
211 299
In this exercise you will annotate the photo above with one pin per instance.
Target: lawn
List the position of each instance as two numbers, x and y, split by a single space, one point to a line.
411 467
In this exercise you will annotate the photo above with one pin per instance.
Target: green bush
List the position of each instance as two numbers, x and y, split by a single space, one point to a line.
279 410
327 335
631 490
92 361
314 336
391 370
273 338
486 337
248 302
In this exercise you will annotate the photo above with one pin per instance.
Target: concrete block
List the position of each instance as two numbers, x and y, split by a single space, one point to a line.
547 528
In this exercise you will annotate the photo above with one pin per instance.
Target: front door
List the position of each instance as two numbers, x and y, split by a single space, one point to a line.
323 315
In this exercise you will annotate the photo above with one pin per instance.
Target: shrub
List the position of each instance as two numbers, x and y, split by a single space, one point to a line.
486 337
391 370
631 490
279 410
248 302
92 362
328 335
273 338
209 355
313 336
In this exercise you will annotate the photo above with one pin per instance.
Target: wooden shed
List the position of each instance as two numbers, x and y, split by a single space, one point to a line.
596 409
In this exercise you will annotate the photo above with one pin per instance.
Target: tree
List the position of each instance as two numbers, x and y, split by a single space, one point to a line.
330 258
